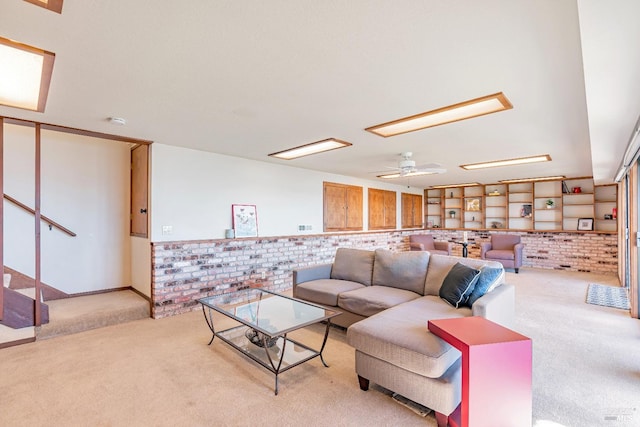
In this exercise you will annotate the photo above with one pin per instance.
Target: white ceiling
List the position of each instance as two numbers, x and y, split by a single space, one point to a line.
247 78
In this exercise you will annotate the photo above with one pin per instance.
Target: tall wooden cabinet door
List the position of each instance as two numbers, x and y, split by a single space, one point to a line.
407 210
354 208
376 209
417 211
335 207
411 210
390 209
140 191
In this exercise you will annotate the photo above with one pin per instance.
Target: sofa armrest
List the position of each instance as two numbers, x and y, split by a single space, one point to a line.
518 248
484 248
443 246
307 274
497 305
416 246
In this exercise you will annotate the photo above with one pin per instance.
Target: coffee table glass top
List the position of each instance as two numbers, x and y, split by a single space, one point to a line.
270 313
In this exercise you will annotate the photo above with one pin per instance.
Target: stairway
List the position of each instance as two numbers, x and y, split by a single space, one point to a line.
19 309
77 314
66 314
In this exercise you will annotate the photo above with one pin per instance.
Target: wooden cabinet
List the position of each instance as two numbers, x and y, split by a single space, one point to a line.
411 210
433 208
382 209
495 212
342 207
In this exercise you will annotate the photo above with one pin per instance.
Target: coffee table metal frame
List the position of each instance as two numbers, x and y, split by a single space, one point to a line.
292 352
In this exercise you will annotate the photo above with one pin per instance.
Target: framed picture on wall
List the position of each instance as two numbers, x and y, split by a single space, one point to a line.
585 224
245 220
472 205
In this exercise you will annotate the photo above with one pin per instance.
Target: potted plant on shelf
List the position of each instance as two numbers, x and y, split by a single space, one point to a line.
550 203
452 214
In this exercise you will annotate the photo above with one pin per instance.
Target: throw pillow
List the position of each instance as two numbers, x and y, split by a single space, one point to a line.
486 281
458 284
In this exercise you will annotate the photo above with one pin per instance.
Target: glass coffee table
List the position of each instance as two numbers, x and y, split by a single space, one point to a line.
265 318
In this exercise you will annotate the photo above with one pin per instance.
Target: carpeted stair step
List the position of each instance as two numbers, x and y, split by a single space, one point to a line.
77 314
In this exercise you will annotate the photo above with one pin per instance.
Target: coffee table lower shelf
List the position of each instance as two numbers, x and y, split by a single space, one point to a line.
285 354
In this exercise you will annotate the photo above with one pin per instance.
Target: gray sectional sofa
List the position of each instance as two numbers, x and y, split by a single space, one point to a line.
387 298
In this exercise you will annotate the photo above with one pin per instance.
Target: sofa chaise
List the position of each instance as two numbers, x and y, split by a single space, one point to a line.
386 299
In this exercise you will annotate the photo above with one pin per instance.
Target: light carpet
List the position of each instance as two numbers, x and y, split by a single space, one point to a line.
162 373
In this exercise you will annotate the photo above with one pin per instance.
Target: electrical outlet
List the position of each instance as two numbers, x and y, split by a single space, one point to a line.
167 229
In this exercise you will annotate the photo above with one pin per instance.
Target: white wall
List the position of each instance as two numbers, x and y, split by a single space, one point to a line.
192 191
141 265
85 188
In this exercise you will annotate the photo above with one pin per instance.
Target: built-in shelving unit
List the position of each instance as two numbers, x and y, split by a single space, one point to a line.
433 208
577 201
606 205
555 205
495 202
547 205
473 202
452 207
520 206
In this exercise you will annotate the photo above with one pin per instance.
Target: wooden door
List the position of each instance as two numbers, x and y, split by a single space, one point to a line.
334 207
140 191
342 207
382 209
411 210
354 208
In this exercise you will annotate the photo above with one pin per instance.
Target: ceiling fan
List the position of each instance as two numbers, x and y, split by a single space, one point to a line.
407 167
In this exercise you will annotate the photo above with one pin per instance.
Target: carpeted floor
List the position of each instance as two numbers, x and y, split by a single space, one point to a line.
162 373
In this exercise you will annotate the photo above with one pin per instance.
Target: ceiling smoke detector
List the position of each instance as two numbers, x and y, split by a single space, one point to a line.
117 121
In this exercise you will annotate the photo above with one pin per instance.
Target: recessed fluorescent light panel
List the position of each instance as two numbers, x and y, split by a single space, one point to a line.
399 175
543 178
53 5
468 184
312 148
25 75
508 162
453 113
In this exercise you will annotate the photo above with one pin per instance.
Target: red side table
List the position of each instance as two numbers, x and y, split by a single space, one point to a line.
496 372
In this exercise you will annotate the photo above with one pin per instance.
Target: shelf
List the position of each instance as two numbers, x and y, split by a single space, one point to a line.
505 207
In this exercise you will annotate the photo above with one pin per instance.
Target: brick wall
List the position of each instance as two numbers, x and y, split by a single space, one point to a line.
185 271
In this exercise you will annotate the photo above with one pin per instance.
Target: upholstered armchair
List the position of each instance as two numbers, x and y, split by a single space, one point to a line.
425 242
504 248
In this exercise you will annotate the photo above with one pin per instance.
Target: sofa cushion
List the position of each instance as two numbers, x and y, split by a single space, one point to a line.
355 265
325 291
371 300
458 284
400 336
487 280
501 254
439 266
402 270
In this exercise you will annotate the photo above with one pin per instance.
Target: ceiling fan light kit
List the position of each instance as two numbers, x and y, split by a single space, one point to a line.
407 167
